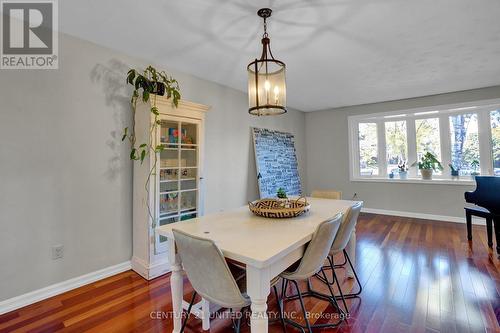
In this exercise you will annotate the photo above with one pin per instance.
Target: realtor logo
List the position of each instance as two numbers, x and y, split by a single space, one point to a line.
29 34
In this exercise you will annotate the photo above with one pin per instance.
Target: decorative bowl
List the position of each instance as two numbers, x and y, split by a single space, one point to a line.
279 208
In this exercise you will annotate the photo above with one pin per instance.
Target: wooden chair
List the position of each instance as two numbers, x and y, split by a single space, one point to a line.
337 195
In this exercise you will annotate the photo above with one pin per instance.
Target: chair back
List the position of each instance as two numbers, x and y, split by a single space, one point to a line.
327 194
208 271
317 250
347 227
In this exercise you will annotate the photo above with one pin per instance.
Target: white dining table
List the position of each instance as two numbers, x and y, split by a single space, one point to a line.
266 246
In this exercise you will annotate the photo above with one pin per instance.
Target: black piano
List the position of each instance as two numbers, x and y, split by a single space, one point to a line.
486 200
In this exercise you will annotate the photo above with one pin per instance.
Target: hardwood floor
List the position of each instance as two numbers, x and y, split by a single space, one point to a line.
417 275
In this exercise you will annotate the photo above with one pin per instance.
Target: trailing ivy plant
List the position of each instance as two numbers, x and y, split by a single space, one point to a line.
148 84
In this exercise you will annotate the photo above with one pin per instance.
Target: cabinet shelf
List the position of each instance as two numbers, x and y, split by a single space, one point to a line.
179 191
175 213
176 180
177 168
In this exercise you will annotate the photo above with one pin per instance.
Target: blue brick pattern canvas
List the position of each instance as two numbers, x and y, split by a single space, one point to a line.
276 161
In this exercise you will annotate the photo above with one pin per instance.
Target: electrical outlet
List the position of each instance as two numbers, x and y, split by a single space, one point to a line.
57 252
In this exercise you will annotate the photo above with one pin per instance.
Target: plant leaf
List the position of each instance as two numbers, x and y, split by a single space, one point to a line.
125 131
145 95
143 155
155 111
131 76
132 154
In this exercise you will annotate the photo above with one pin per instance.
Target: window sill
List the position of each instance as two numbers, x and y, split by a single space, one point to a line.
462 182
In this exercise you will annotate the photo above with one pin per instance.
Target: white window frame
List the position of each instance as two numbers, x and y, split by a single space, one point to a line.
442 112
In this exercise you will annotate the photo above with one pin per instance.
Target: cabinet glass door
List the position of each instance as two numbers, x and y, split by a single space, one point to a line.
178 174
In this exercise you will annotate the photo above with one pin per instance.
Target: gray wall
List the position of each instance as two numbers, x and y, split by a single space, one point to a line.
328 159
65 177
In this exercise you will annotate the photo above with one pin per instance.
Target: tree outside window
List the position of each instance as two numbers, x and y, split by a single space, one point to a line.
396 144
465 143
495 138
368 149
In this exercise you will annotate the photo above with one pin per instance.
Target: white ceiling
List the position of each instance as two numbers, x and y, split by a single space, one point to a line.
338 52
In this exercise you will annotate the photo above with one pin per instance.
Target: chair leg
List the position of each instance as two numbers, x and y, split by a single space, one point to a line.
280 309
188 312
333 299
237 325
330 260
351 295
308 325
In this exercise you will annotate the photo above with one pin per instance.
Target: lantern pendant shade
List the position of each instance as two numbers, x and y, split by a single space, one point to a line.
266 80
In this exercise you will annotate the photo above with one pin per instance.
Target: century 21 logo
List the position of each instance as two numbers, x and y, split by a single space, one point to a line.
29 29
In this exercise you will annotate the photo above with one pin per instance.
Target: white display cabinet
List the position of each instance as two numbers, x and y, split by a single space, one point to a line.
175 190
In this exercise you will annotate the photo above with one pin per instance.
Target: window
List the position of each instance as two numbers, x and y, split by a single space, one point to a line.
428 138
395 141
368 150
466 137
465 143
495 141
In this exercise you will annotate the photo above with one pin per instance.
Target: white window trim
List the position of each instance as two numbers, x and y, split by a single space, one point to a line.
443 112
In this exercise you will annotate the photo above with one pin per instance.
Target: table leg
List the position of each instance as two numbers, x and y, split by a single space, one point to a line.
258 288
176 285
205 309
351 251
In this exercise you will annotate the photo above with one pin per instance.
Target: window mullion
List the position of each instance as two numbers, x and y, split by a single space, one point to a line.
485 142
445 140
411 139
382 161
355 152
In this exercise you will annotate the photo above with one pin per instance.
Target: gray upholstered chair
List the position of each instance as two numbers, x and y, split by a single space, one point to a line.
211 277
311 263
209 274
339 245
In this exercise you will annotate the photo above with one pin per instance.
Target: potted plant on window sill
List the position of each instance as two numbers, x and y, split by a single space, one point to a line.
475 165
403 170
454 171
427 165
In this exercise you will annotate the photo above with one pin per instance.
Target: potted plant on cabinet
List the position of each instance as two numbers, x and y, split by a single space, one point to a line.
147 85
427 165
475 165
403 170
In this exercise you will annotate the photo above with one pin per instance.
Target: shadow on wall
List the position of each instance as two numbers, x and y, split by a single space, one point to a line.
111 77
252 184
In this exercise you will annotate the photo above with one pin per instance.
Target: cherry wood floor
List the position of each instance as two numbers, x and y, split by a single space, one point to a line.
417 275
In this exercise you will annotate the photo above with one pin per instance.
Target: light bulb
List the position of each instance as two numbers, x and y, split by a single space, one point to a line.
267 85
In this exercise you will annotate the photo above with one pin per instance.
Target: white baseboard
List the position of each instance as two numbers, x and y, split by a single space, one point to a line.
445 218
61 287
150 271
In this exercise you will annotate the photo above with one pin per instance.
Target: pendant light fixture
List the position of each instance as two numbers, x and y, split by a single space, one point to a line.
266 79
